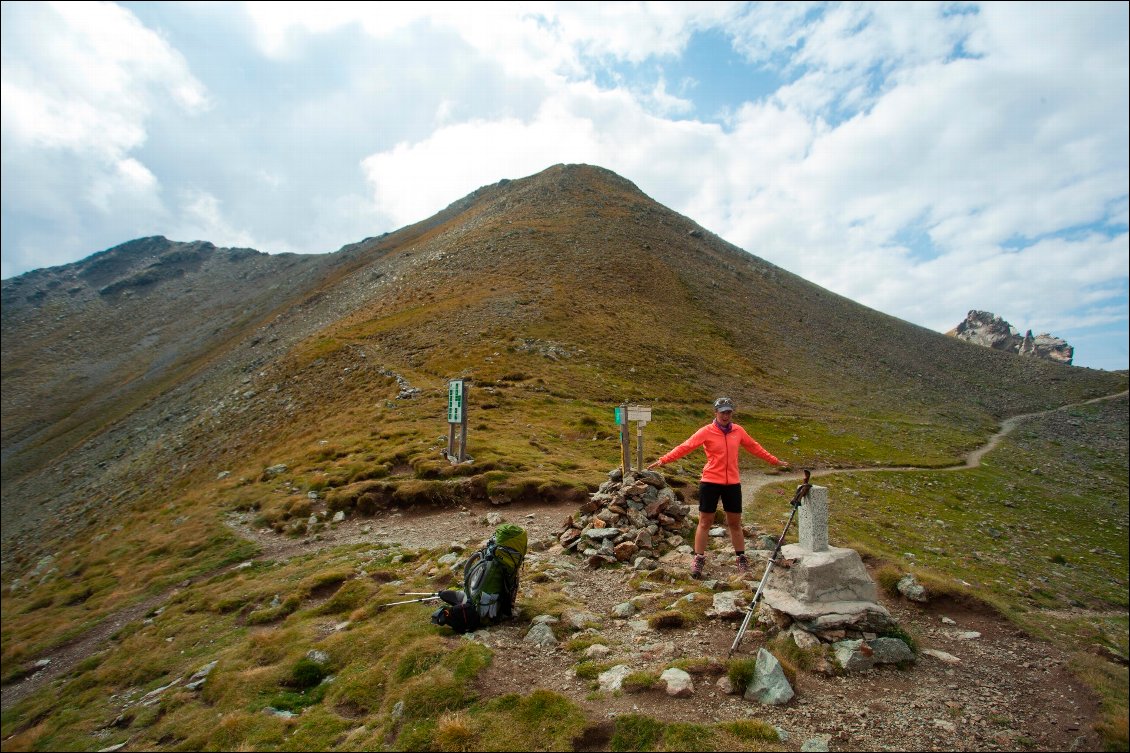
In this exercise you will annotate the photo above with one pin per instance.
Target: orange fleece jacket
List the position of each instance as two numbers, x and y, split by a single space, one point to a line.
721 452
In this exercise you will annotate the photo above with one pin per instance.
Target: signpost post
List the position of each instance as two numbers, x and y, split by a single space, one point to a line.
641 415
625 451
457 415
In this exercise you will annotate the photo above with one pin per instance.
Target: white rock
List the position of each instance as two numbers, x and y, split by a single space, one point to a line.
678 682
541 634
941 656
613 678
597 651
728 604
804 639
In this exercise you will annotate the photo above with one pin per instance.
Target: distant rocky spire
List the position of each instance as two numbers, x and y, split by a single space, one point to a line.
988 329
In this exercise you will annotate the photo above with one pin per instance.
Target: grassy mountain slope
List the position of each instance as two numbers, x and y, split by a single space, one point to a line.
558 296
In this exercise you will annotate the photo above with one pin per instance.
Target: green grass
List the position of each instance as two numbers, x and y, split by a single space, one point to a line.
637 732
389 656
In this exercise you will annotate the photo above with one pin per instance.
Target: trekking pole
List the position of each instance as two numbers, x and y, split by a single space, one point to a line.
801 493
451 597
426 597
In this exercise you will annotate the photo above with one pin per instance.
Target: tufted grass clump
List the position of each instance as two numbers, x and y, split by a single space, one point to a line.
636 732
740 672
751 730
666 620
306 673
638 682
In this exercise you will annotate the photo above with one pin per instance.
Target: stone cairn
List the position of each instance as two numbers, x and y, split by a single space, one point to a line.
634 518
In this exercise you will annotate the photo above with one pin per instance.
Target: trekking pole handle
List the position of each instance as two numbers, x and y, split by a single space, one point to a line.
802 490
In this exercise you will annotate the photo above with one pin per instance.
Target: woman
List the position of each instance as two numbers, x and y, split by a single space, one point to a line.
721 439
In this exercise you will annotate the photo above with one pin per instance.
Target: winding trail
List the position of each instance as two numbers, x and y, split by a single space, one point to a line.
414 530
752 483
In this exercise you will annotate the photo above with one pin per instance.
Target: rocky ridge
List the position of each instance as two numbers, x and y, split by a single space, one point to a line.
988 329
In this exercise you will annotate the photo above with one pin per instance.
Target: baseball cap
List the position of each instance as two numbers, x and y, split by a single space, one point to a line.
723 403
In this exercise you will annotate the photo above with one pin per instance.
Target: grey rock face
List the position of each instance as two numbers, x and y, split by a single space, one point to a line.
769 685
988 329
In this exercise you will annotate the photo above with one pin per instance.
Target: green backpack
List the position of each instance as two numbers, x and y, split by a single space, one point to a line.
490 583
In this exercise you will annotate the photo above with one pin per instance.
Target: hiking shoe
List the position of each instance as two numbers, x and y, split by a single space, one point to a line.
743 564
699 564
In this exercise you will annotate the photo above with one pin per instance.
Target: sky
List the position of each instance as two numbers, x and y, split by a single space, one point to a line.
923 159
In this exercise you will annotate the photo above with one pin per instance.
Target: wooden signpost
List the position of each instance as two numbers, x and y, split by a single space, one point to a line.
641 415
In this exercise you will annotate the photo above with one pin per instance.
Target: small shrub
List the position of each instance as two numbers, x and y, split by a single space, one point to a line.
454 732
899 632
542 720
420 657
637 682
228 604
428 695
295 702
888 577
348 597
699 666
583 642
740 672
590 670
689 737
791 655
787 666
300 508
272 614
416 734
306 673
750 730
76 596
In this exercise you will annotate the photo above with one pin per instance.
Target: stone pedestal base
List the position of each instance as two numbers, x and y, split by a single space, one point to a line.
825 591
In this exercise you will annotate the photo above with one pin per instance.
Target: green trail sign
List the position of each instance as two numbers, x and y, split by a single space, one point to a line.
455 401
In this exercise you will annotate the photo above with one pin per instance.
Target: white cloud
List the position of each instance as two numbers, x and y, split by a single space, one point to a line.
80 82
85 76
923 158
129 185
539 39
578 123
202 216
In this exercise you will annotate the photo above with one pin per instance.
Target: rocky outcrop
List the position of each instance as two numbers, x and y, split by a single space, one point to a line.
988 329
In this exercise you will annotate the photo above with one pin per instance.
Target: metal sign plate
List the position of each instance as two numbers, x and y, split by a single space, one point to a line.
455 401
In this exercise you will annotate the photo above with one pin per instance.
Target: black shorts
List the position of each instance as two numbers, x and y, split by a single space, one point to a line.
709 494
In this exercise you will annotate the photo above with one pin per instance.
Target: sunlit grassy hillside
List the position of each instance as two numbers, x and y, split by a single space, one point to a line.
558 296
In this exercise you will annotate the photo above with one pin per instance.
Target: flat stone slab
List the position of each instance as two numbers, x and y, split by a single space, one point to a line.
832 615
833 575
